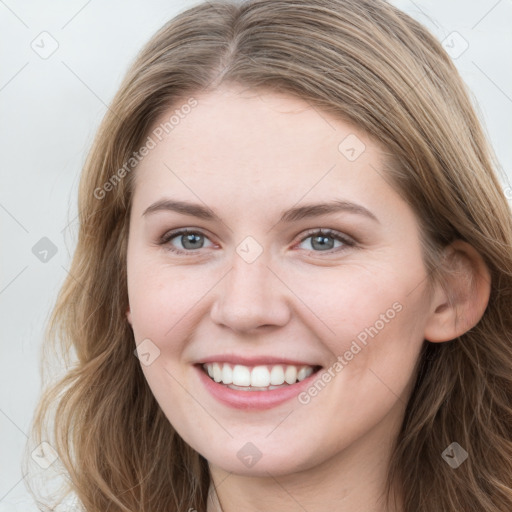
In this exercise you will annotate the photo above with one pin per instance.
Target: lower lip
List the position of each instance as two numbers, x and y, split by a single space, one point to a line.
254 400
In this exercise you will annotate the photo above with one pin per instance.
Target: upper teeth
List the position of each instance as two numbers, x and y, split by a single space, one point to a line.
257 376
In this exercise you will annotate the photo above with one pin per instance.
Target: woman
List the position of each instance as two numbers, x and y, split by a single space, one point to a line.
251 371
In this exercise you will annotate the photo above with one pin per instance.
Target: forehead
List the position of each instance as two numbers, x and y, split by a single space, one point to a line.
257 144
260 121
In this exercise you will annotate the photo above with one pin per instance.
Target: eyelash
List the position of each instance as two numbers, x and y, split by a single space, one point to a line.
348 242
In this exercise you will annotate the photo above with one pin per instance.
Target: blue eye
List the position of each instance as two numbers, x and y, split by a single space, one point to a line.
191 240
322 240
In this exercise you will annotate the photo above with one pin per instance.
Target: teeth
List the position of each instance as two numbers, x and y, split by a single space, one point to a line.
290 374
217 372
277 375
240 376
304 372
260 377
227 374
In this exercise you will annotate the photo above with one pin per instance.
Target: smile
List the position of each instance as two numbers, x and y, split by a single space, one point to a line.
257 378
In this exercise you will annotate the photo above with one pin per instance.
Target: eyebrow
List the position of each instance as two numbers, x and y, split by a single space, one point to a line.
292 215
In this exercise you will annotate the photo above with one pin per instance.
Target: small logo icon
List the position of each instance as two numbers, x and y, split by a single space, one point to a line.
249 454
45 45
147 352
44 250
455 455
44 455
455 45
249 249
351 147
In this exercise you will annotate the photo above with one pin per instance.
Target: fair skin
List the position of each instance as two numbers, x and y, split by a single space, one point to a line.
248 156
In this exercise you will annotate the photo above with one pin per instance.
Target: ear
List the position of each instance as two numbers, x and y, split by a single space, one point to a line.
460 305
129 315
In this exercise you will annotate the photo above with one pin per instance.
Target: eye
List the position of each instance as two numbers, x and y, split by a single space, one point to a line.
322 240
189 239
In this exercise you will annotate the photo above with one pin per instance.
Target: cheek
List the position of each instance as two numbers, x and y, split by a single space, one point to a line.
372 320
371 373
164 300
347 299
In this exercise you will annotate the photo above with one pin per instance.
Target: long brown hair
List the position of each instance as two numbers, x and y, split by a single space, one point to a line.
369 64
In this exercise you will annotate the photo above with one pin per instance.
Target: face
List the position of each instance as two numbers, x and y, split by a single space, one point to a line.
309 318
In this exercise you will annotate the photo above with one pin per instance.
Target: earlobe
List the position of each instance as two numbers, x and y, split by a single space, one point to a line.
129 315
460 304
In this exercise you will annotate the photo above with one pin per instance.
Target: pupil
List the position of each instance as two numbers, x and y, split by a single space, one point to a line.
323 243
190 238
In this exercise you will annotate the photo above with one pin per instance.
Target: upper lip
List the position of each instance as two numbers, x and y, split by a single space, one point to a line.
254 361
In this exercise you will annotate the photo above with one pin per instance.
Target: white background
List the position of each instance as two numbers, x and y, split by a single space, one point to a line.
49 111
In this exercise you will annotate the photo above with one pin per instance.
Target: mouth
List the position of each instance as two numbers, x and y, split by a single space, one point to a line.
258 377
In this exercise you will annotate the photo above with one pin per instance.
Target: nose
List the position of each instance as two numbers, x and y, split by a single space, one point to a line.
251 296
